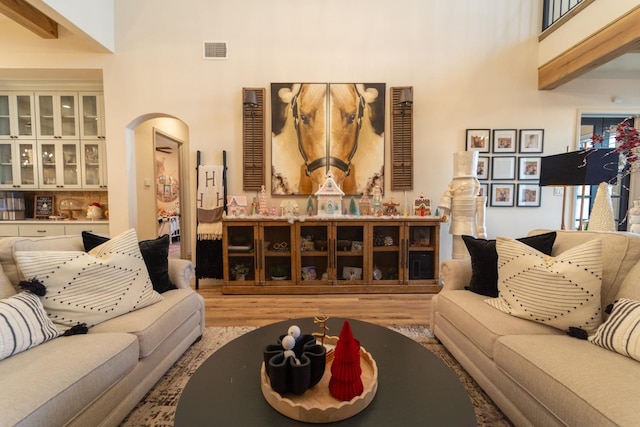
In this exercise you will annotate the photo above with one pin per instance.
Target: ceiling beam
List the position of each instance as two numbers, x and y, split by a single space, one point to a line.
620 37
29 17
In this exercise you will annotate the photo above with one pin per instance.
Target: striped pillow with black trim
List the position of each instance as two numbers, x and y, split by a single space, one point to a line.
23 324
621 331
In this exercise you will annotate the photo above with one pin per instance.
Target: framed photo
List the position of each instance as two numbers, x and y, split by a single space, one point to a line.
502 194
43 206
529 168
483 167
531 140
484 191
503 167
504 140
479 140
528 195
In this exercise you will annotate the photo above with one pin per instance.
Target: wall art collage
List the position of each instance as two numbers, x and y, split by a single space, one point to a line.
508 164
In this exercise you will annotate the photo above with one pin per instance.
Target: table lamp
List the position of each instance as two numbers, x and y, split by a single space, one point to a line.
584 167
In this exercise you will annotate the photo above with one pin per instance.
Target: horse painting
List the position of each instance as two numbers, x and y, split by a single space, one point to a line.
319 127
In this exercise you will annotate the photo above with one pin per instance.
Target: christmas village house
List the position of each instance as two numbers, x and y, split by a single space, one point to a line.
329 197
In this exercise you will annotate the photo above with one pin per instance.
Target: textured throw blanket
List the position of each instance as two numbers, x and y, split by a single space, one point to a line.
210 202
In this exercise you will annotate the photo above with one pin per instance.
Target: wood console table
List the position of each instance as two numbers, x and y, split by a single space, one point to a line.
332 255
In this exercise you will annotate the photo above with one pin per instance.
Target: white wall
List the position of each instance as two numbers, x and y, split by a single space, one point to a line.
472 63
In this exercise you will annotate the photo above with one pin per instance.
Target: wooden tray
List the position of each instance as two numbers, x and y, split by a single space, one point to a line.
317 405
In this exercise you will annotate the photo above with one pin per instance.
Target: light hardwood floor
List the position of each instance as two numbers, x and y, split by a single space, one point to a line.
260 310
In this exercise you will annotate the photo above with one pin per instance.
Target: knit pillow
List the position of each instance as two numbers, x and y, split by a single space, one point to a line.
621 331
484 260
92 287
561 292
23 324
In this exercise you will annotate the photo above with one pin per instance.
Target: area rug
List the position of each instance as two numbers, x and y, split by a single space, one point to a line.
157 408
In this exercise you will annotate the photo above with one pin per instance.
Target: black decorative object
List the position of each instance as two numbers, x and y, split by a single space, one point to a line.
285 375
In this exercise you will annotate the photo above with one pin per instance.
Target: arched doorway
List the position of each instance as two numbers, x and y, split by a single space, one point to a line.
147 133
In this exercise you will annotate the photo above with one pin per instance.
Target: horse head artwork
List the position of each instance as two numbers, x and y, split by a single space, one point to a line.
325 127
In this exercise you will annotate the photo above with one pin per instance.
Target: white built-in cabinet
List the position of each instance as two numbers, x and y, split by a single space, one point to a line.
52 140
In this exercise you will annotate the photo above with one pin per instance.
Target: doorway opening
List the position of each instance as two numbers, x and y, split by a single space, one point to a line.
168 189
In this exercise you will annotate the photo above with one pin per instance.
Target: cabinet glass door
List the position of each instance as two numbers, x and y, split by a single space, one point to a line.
242 268
26 157
68 115
387 252
71 171
350 262
314 255
46 120
277 248
92 165
24 115
421 260
6 164
5 116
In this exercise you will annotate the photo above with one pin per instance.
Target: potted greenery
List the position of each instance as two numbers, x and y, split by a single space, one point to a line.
279 271
239 270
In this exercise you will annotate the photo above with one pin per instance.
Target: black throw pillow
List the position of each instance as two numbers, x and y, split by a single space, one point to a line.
154 252
484 260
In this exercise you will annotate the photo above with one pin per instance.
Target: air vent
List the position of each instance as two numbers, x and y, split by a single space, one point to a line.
215 50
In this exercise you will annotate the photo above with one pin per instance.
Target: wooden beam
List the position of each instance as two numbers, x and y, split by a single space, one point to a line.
620 37
29 17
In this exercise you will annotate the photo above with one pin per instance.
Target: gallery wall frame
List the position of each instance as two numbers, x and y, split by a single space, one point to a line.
484 165
478 140
503 168
528 195
529 168
531 140
505 140
502 195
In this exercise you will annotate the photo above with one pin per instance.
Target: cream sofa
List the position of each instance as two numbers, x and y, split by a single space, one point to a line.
536 374
98 378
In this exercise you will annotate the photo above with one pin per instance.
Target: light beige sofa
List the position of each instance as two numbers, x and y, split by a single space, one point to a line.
98 378
536 374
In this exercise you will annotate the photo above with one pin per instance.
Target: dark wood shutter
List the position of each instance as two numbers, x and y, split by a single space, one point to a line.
253 147
401 143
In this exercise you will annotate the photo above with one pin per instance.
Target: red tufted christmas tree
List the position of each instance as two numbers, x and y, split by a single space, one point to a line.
345 382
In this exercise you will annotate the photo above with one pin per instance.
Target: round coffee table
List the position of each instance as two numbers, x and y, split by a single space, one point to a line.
415 388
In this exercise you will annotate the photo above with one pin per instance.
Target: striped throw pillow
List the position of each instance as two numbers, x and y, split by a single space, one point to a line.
562 291
23 324
621 331
111 280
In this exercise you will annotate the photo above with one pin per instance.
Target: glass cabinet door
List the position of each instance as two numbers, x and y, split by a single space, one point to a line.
6 164
5 116
91 116
314 259
349 253
46 120
68 116
421 262
387 252
277 249
16 165
16 116
27 171
59 165
93 165
24 116
239 242
57 115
